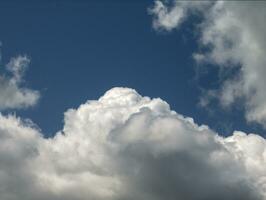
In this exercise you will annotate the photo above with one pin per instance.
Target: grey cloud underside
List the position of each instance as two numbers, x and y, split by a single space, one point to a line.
234 34
125 146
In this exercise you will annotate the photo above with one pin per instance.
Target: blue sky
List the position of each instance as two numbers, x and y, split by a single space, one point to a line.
122 100
79 50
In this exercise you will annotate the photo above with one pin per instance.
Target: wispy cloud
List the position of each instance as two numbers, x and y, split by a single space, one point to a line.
13 94
233 33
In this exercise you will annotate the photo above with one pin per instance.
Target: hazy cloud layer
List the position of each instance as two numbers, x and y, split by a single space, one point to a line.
13 95
234 34
125 146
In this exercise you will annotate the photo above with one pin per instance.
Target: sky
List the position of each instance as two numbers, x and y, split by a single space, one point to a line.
132 100
78 50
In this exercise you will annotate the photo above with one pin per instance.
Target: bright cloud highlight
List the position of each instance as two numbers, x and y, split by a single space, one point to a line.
125 146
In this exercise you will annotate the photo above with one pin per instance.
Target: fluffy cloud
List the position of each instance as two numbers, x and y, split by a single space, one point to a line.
234 35
125 146
12 94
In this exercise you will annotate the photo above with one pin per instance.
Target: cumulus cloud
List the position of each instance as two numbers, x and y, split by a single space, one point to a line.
125 146
12 94
233 33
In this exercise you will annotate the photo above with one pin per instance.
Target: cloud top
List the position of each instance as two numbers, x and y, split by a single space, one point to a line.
125 146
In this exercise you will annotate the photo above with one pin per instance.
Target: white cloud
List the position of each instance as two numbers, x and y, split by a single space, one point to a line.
234 33
12 94
169 17
125 146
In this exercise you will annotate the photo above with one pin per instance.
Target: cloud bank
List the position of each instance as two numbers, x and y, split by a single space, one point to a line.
125 146
13 95
233 36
